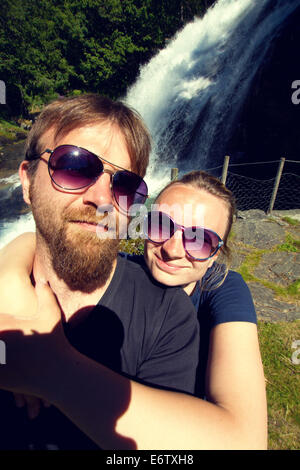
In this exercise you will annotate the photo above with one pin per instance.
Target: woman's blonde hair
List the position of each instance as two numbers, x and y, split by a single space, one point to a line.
201 180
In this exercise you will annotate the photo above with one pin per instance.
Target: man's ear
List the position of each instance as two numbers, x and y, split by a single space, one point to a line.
25 180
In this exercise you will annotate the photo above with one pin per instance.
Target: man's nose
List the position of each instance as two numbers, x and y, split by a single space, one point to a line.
99 193
173 247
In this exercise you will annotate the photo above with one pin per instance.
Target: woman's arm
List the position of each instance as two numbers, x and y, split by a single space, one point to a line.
235 415
235 382
16 291
157 419
17 295
119 413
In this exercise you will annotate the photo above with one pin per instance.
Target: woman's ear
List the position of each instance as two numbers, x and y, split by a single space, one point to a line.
25 180
212 260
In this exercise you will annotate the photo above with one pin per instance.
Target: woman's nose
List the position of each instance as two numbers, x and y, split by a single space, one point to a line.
173 247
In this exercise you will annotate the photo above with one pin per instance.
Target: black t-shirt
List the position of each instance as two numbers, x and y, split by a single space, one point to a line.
140 329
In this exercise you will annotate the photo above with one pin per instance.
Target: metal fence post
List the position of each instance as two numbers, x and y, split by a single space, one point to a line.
225 169
276 185
174 174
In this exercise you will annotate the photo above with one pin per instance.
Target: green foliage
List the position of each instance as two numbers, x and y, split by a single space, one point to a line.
133 247
49 49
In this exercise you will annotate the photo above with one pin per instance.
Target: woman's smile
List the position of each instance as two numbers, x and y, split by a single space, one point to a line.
167 265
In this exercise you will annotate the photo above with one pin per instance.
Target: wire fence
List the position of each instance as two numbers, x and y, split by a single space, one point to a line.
281 192
257 194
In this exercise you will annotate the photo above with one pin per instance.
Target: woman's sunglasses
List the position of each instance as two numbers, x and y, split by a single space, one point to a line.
72 168
199 243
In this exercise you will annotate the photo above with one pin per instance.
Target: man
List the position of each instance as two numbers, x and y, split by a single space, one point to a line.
85 160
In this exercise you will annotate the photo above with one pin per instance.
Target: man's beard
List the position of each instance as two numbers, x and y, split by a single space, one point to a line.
79 257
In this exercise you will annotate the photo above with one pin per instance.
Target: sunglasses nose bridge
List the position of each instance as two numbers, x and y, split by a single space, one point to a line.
110 173
100 190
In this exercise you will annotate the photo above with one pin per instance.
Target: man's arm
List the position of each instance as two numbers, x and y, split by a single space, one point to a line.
119 413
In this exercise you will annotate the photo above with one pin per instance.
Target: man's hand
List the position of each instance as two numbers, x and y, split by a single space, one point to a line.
33 346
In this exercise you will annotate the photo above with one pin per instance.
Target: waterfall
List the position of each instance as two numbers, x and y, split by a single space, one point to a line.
191 92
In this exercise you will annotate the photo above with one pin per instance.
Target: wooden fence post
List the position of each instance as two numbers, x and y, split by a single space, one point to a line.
225 169
174 174
276 185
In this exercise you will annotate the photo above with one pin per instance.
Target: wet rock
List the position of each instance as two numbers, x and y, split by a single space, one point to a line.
10 158
12 204
5 140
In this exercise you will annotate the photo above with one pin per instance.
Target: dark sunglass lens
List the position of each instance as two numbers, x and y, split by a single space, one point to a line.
129 189
200 243
159 227
74 168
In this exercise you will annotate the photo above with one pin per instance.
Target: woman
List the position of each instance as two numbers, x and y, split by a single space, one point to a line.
233 413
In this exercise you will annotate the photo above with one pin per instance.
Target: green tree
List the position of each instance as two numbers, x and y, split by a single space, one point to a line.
53 48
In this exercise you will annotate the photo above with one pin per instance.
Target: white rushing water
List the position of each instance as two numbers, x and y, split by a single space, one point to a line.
10 230
189 94
24 223
12 180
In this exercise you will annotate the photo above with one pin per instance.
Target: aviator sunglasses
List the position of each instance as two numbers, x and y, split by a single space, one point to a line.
73 168
199 243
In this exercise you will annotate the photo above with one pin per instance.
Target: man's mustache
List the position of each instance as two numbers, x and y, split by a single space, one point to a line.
90 215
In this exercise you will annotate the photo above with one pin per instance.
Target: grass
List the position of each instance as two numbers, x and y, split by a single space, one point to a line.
291 244
291 221
283 382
